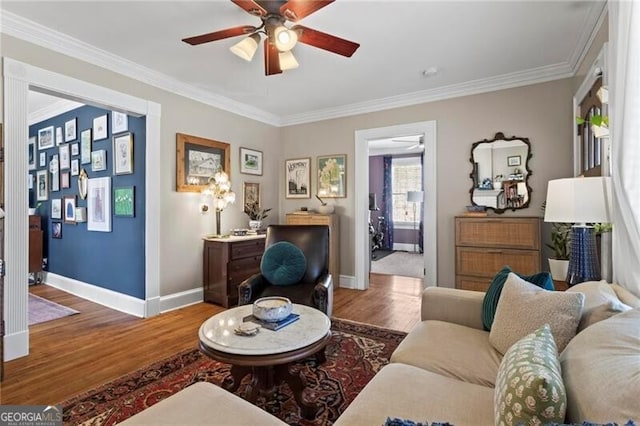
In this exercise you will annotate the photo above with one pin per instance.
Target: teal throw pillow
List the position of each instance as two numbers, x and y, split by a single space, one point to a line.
283 263
491 297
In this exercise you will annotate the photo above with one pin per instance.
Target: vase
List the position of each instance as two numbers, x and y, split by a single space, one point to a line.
558 269
254 225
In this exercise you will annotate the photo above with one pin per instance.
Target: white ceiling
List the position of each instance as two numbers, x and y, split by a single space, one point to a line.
476 46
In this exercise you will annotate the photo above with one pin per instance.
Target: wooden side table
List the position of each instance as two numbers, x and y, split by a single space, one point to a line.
560 285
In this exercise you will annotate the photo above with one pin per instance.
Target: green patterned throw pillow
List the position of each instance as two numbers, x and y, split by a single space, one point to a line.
529 387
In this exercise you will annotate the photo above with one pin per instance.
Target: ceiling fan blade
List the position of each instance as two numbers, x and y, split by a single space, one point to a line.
294 10
325 41
271 59
219 35
251 6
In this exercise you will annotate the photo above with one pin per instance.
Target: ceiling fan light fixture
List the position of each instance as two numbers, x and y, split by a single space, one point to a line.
287 61
284 38
247 47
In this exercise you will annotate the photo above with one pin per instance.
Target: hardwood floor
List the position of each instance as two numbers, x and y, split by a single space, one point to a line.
74 354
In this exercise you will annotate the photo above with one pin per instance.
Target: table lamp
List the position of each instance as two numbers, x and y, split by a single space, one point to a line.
415 197
581 201
219 188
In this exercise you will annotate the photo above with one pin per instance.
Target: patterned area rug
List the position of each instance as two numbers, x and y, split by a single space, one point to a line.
43 310
354 355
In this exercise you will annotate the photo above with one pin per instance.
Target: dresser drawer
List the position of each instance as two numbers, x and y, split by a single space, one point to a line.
472 283
242 249
482 262
519 233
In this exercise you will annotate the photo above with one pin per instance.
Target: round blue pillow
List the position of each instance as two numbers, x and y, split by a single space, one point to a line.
283 264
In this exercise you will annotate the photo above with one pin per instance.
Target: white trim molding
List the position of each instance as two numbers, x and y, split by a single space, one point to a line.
182 299
347 281
19 78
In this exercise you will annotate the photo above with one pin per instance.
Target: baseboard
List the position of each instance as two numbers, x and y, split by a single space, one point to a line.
109 298
404 247
347 281
16 345
180 300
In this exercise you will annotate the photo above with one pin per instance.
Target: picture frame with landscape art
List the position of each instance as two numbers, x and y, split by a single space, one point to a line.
197 160
124 201
332 176
250 161
46 138
99 204
297 177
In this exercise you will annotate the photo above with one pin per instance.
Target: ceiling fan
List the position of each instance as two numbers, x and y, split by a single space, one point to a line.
417 144
279 39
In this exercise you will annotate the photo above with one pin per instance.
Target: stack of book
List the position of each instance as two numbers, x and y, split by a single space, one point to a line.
277 325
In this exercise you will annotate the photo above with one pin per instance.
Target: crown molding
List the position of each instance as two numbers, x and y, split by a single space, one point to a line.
474 87
17 26
598 14
53 110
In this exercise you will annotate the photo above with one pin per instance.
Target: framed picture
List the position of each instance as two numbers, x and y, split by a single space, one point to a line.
75 149
75 167
70 209
332 176
250 194
124 201
100 128
31 153
99 204
514 160
250 161
123 154
119 122
85 146
45 138
30 181
65 180
198 159
297 176
99 160
54 169
42 185
56 208
70 130
56 229
43 159
65 158
59 138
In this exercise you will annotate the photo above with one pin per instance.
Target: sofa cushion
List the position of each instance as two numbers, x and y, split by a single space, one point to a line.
601 371
529 388
491 297
452 350
525 307
600 302
283 263
408 392
626 296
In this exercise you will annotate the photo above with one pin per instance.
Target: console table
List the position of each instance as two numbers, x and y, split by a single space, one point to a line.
228 262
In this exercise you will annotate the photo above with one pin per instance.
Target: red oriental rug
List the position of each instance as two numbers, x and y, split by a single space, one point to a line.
354 355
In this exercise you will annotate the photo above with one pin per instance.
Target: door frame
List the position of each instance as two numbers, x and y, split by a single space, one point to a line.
429 174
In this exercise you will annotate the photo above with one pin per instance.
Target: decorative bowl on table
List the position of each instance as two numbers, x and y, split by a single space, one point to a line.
272 309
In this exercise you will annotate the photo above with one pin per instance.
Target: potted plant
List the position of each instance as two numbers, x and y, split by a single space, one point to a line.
561 246
256 215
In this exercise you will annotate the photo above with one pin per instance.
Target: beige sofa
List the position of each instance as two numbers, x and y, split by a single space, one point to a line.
445 370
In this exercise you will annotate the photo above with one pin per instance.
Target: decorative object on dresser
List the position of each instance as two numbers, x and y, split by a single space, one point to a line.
220 193
485 245
581 201
228 262
499 181
333 221
324 207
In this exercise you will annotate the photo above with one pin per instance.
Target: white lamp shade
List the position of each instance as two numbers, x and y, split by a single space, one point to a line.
247 47
415 196
579 200
287 61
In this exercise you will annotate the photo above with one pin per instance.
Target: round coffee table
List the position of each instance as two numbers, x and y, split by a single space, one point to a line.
267 355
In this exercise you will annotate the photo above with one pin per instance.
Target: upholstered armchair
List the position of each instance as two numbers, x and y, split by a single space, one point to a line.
315 288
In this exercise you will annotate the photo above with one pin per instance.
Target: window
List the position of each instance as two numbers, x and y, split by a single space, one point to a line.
406 176
590 146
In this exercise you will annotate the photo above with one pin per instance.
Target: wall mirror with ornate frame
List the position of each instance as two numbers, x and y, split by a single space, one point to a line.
501 173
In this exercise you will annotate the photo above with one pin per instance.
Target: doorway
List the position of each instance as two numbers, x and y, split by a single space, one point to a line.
427 130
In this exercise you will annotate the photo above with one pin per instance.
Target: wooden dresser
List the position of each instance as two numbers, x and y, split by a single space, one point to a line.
227 263
484 245
334 237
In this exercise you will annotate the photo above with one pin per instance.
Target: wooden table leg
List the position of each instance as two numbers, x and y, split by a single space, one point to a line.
297 385
237 373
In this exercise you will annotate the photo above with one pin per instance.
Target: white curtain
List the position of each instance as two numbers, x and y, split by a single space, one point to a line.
624 112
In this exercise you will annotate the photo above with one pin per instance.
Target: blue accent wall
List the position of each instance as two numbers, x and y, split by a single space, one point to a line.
112 260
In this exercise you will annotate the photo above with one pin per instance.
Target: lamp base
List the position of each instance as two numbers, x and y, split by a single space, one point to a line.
583 261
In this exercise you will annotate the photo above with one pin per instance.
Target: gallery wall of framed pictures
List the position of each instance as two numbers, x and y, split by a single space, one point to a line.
107 148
